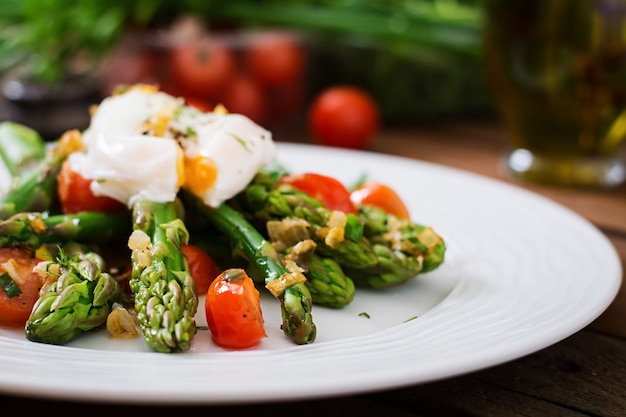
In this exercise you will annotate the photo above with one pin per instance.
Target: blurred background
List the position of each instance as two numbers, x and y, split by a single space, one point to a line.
420 60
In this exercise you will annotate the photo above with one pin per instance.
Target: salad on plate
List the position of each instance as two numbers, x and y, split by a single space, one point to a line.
127 226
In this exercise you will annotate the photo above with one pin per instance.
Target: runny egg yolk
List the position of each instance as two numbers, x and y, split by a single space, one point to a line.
200 173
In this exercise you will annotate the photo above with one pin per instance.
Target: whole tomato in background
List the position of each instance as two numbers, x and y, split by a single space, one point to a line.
261 74
202 68
127 65
275 59
343 116
245 96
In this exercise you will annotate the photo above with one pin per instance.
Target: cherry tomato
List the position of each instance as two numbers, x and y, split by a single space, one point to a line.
328 190
244 96
285 102
75 195
233 310
14 311
275 59
128 66
343 116
202 267
202 68
380 195
199 103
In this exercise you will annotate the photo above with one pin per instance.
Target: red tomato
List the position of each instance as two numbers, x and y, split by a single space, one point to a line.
75 195
328 190
233 310
14 311
128 66
285 102
380 195
275 59
202 68
198 103
344 116
201 266
244 96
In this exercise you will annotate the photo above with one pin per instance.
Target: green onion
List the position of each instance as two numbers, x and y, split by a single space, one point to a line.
9 286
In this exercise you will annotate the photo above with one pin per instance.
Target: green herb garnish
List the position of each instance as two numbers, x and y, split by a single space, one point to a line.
9 286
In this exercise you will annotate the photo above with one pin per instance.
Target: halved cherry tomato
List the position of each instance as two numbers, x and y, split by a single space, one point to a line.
233 310
275 59
202 68
75 195
328 190
14 311
343 116
380 195
202 267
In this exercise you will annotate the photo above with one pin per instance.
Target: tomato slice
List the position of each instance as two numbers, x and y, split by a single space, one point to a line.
233 310
75 195
14 311
328 190
202 267
380 195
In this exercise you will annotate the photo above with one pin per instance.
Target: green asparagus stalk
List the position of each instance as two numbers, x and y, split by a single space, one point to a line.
35 228
325 279
327 282
22 149
37 191
264 200
288 286
165 293
77 297
404 249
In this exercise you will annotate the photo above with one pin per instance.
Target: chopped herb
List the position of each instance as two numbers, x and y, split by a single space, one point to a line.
9 286
203 327
412 318
364 314
242 142
191 132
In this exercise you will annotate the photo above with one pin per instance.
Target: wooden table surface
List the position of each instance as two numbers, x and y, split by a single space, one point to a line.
583 375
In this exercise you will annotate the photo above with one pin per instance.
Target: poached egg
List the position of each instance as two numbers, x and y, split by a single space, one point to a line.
146 144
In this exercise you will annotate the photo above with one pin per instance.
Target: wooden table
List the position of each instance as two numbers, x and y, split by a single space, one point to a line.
583 375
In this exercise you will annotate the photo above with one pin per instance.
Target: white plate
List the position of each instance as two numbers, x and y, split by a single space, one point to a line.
521 273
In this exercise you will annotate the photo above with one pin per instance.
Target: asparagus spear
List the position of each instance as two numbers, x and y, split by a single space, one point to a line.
165 293
288 286
21 148
326 281
37 191
264 200
35 228
77 297
403 248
